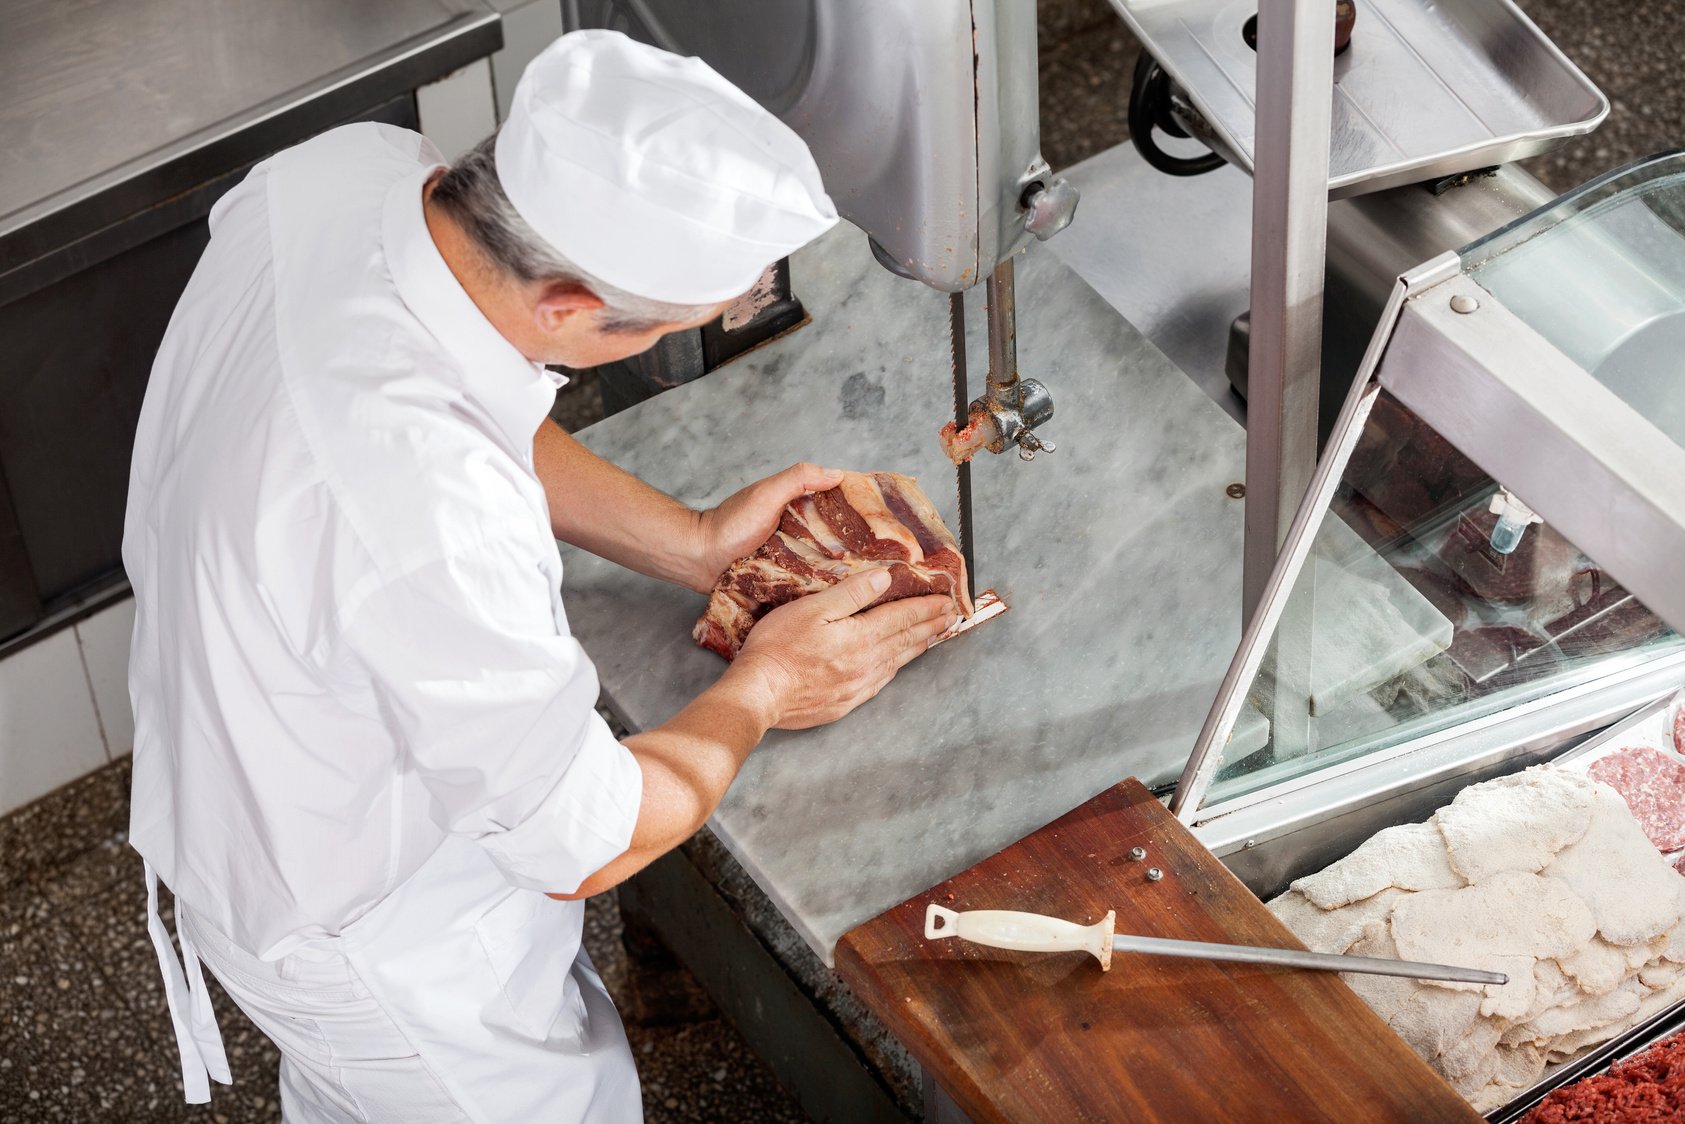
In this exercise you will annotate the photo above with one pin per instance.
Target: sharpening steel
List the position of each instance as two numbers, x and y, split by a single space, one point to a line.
1034 932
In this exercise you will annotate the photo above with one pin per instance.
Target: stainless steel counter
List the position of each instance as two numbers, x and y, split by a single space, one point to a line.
108 108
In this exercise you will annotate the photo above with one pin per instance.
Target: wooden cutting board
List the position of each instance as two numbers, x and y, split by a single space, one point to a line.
1023 1037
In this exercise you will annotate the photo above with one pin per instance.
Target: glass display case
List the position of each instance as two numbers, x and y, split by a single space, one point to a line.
1490 562
1488 570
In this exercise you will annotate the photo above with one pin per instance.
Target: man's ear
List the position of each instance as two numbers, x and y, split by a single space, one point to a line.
561 300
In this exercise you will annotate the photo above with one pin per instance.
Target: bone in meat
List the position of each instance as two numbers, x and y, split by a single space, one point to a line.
870 520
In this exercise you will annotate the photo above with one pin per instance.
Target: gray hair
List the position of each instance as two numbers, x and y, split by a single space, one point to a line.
472 194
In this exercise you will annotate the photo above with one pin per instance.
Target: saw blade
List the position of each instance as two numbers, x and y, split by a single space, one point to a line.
962 411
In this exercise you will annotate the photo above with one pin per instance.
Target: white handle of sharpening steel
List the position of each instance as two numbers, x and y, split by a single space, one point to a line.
1022 932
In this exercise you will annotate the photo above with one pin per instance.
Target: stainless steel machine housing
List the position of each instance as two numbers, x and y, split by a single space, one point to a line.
922 114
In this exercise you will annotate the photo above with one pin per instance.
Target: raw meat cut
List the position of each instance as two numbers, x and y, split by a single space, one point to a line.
1544 875
877 519
1649 1087
1653 784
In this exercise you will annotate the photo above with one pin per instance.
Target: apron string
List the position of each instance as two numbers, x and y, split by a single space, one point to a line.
201 1019
197 1038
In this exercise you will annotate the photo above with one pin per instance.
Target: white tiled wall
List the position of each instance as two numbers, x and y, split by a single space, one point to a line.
49 730
105 654
458 111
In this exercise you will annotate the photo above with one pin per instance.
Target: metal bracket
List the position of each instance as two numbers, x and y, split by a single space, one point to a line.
1011 408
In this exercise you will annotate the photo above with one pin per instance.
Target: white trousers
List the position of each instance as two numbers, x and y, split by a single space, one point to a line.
458 999
343 1059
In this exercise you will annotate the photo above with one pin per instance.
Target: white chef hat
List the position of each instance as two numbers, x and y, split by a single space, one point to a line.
651 172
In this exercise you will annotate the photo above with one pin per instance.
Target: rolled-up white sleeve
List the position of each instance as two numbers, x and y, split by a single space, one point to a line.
494 707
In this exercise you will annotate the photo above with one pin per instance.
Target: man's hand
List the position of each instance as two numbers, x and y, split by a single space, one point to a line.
747 519
820 657
806 663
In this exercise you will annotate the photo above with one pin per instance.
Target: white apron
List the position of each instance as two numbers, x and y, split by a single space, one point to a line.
482 980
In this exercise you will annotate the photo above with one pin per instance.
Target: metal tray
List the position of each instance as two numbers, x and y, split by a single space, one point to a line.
1266 875
1618 1049
1633 730
1426 89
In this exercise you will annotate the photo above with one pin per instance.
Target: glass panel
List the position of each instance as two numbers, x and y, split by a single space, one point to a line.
1406 620
1600 273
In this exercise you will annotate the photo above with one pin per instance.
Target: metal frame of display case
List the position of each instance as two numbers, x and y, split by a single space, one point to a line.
1534 419
1529 416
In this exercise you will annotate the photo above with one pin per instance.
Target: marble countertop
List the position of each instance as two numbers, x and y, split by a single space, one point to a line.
1119 557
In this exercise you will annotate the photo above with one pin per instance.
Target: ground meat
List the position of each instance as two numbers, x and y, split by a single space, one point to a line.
1653 785
1649 1087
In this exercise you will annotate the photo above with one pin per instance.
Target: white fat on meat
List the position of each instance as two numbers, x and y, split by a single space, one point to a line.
1410 857
1518 822
862 493
1543 875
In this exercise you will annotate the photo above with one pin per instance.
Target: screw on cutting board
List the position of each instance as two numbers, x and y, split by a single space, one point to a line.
1154 874
1137 853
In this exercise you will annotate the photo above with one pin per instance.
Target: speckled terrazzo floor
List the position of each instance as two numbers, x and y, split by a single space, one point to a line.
83 1032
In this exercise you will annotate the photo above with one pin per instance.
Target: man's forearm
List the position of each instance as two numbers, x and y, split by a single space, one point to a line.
687 764
611 513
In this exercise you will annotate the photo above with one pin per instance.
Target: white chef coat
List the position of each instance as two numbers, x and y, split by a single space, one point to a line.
349 643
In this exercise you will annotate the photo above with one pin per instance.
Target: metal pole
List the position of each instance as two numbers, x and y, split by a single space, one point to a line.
1289 250
1003 329
1299 958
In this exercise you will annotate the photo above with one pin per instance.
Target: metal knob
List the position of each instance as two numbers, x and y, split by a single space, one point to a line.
1029 445
1051 208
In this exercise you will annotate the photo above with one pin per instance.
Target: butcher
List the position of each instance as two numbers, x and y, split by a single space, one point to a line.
367 760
